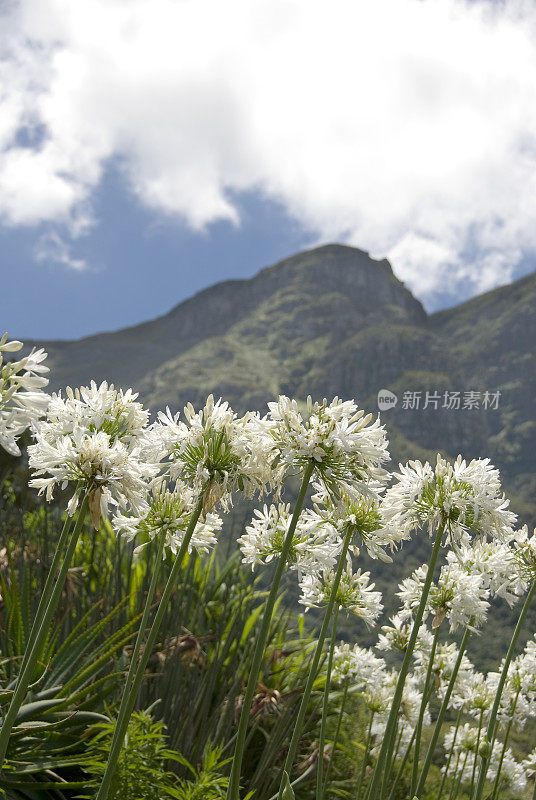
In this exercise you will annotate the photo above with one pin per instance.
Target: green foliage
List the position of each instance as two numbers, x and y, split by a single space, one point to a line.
208 782
75 674
199 666
141 770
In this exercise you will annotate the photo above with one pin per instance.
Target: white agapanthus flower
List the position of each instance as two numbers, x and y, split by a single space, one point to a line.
408 712
445 658
513 772
474 695
216 452
98 439
496 564
466 498
346 448
358 665
524 549
529 764
355 593
169 510
98 409
22 400
518 699
456 596
363 514
396 636
315 543
463 744
525 666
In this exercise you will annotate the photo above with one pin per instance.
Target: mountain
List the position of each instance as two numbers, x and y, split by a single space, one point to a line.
334 321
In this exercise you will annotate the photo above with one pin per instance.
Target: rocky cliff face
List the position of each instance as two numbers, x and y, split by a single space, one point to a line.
334 321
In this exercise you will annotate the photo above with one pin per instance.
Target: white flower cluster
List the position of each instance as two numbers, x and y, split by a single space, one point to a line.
340 440
445 658
364 513
456 595
396 635
361 669
169 510
465 498
524 553
98 439
22 400
358 665
496 565
354 593
462 744
518 701
215 451
315 542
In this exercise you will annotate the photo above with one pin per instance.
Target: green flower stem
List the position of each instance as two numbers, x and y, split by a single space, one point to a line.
298 725
40 634
503 751
386 752
388 772
458 778
453 780
441 714
447 765
479 734
134 681
234 779
424 702
365 756
161 541
392 795
490 731
336 737
48 587
325 704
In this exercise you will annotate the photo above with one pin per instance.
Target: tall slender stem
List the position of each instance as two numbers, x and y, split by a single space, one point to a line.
48 587
134 681
363 769
490 731
325 704
336 737
161 541
447 765
389 769
386 751
479 734
402 765
234 778
458 779
441 714
298 725
424 702
35 646
503 751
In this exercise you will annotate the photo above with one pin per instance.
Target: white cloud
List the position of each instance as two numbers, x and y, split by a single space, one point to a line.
406 127
51 248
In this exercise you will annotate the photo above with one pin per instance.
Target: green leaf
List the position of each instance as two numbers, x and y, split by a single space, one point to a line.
288 791
37 709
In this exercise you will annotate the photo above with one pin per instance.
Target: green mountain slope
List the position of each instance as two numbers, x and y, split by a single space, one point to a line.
334 321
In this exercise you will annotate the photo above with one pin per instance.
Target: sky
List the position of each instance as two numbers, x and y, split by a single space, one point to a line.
149 148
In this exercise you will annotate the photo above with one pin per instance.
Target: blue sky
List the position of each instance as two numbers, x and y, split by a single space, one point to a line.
138 264
145 154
